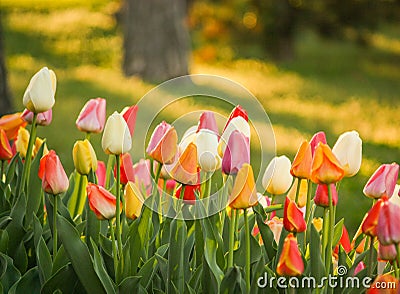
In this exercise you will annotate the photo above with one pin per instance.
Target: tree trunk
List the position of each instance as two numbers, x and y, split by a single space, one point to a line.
5 97
156 39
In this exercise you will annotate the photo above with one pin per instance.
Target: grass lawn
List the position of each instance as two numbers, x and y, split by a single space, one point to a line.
330 86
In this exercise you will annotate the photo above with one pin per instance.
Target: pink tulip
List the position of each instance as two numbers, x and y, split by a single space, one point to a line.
383 181
318 137
163 143
360 266
101 201
92 117
101 173
321 195
42 119
236 154
52 174
129 114
387 253
388 229
207 122
141 175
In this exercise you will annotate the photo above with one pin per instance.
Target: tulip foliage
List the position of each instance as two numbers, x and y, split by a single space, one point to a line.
170 223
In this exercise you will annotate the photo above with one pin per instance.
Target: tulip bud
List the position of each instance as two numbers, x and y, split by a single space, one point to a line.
39 95
383 181
163 143
5 148
21 144
302 198
277 178
348 150
276 225
101 173
207 150
237 124
116 137
321 197
52 174
326 169
290 262
185 169
42 119
207 122
141 175
11 123
370 222
293 219
387 253
315 140
388 229
236 154
133 200
84 157
129 114
101 201
302 162
92 117
244 193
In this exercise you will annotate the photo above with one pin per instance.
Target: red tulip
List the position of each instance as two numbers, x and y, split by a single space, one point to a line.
101 201
236 154
129 114
163 143
315 140
5 148
236 112
42 119
370 222
293 219
101 173
384 284
382 182
11 123
344 241
52 174
388 229
92 116
290 262
207 122
191 191
326 169
126 169
321 195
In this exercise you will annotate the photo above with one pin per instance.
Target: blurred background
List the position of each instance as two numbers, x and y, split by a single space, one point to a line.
314 65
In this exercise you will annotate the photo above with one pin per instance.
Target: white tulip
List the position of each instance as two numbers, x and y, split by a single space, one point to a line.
39 95
207 150
188 137
116 136
348 150
237 123
396 196
277 178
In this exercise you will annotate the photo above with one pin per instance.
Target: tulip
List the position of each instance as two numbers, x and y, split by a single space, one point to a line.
344 242
42 119
39 95
129 114
244 193
36 147
318 222
302 198
263 200
237 153
293 219
383 181
116 137
185 169
101 201
302 162
5 148
388 229
360 266
52 174
101 173
207 150
133 200
237 124
326 169
170 186
21 143
315 140
276 225
126 169
207 122
348 150
396 196
92 117
163 143
238 111
387 253
141 175
188 137
11 123
386 284
277 178
190 194
84 157
321 197
290 262
370 222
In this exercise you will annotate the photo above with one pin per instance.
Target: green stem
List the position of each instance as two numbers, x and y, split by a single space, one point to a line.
308 212
231 237
55 208
207 189
114 249
118 211
398 259
2 171
110 165
28 158
157 176
247 232
325 226
328 260
297 190
396 270
371 254
87 137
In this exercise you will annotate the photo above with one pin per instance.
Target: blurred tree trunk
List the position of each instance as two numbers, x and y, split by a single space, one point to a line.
156 39
5 97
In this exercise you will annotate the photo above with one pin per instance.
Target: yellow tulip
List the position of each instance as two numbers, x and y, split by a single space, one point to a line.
133 200
84 157
21 143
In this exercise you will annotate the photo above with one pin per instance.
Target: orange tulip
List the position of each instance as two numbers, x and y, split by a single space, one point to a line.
290 262
52 174
11 123
101 201
244 194
185 169
302 162
5 148
163 143
386 284
293 219
370 222
326 169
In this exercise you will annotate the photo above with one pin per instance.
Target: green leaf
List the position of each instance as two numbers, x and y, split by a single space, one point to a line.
3 241
4 221
163 266
64 279
44 262
92 228
176 271
199 242
147 271
29 283
267 236
317 268
233 282
337 233
10 273
78 253
257 272
101 271
129 284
